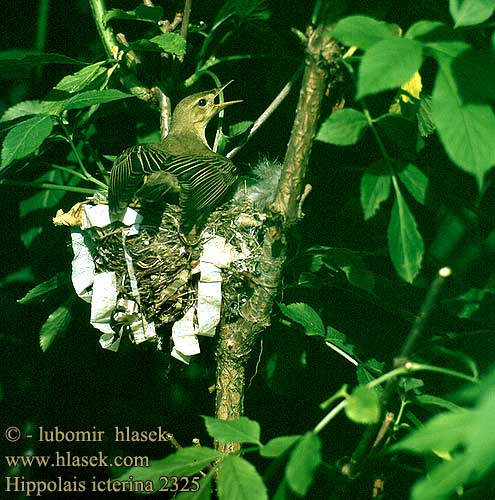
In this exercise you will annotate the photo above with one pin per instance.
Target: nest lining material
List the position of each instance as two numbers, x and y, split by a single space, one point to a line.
165 263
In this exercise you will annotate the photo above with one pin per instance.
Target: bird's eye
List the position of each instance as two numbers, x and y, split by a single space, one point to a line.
202 102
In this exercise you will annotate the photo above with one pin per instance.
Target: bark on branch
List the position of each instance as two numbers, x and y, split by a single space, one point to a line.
237 339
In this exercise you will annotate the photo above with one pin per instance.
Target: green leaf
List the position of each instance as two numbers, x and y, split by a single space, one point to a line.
184 462
40 292
388 64
25 138
239 480
22 109
444 432
405 244
204 492
244 10
306 316
426 126
425 30
363 405
415 181
348 261
23 275
12 61
57 323
343 128
171 43
83 100
466 129
82 78
303 461
278 446
375 187
429 400
469 12
361 31
240 430
141 13
339 340
442 481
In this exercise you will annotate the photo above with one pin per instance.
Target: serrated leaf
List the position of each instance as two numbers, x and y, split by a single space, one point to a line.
239 480
42 290
415 181
204 491
405 243
57 323
343 128
22 109
25 138
375 187
306 316
470 12
85 99
278 446
172 43
388 64
302 464
339 340
141 13
82 78
240 430
184 462
363 405
361 31
12 61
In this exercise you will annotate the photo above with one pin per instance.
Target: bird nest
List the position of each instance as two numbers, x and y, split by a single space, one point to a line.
159 265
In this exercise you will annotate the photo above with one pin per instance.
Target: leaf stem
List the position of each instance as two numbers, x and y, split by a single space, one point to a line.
330 416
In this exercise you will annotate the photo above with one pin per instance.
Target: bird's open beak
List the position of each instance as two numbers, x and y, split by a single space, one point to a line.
223 105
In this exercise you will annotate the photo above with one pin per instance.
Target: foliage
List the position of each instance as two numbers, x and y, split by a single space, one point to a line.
402 174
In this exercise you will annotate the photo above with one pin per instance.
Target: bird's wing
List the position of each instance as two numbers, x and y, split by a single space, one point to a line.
203 179
129 170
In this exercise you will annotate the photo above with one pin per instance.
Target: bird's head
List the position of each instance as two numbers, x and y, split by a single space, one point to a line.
194 112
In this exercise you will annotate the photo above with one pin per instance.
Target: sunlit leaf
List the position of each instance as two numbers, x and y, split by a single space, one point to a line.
22 109
388 64
469 12
85 99
40 292
363 405
306 316
303 461
184 462
239 480
361 31
172 43
81 79
278 446
25 138
240 430
343 128
405 243
204 492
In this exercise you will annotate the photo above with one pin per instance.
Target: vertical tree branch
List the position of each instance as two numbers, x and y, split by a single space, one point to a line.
237 339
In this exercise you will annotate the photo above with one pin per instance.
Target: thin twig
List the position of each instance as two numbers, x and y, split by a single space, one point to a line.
185 19
269 110
165 111
45 185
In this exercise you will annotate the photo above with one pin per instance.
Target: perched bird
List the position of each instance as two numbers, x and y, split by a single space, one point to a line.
181 166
